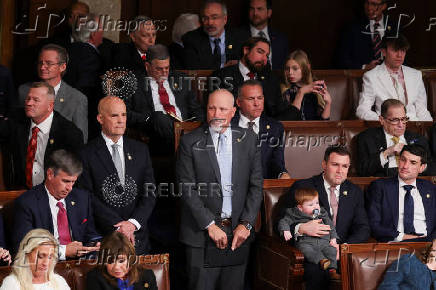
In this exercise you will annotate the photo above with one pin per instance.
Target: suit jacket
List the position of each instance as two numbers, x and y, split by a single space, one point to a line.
126 55
69 102
351 222
112 204
176 55
231 79
279 45
63 135
197 165
378 87
383 206
271 140
198 51
7 91
2 234
371 142
96 281
32 210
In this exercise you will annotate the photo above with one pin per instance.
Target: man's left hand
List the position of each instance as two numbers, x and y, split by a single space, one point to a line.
240 234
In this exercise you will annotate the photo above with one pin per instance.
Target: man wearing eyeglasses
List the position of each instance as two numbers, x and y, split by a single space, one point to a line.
379 148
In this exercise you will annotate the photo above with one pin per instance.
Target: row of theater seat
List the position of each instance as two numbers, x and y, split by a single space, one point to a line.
344 87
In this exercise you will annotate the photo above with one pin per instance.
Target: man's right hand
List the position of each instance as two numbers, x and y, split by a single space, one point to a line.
218 236
314 228
409 237
76 249
393 150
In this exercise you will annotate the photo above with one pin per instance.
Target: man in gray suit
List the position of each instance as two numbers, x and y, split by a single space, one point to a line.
220 172
69 102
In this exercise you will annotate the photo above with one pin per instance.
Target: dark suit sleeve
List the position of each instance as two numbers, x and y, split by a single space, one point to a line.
147 276
277 161
138 112
91 232
95 281
146 202
23 222
285 222
190 54
369 157
360 230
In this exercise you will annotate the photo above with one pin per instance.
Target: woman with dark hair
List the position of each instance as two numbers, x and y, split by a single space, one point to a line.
302 97
411 272
117 267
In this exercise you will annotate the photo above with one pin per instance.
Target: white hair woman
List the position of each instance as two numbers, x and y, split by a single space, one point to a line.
34 264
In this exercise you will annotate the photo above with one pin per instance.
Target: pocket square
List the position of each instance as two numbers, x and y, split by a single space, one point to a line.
84 221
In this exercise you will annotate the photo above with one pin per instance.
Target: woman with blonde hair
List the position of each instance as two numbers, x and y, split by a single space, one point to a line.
118 268
34 264
302 97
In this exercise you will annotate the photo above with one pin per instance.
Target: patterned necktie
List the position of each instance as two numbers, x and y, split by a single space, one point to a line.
376 42
165 100
408 216
333 203
30 156
217 53
63 228
396 140
251 75
117 162
251 126
399 88
261 34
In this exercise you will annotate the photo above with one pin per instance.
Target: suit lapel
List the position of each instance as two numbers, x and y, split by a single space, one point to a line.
386 82
236 143
323 199
210 148
128 157
380 139
70 204
393 193
60 97
53 132
427 197
104 155
408 82
44 208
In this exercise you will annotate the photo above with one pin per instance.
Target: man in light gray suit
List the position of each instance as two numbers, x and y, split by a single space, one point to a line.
69 102
220 173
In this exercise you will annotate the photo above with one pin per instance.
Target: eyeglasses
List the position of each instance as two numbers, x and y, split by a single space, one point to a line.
396 121
47 63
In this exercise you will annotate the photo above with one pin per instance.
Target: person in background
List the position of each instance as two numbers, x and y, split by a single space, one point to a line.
184 23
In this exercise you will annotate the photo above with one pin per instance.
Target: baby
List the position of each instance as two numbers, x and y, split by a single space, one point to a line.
318 250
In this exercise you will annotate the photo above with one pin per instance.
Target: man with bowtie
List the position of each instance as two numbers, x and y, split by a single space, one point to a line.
403 208
56 206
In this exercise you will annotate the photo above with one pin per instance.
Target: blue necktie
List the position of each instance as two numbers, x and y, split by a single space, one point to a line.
217 53
408 210
224 157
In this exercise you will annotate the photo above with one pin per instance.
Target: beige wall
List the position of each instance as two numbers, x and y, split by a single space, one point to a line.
111 8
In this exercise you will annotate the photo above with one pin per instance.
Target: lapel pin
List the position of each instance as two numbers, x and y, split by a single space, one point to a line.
239 140
428 195
262 77
51 141
61 100
129 156
345 193
176 85
267 127
146 285
389 27
73 203
230 46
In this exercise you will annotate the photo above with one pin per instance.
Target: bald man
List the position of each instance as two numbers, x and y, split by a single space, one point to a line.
220 170
118 171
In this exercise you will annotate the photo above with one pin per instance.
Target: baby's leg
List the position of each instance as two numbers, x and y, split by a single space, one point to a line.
330 253
311 251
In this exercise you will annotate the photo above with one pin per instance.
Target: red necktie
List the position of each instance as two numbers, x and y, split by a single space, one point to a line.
63 228
165 100
143 57
251 75
30 157
376 42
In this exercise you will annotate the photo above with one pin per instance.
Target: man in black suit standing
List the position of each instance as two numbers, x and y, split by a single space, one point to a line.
162 98
219 169
118 171
344 203
253 65
269 131
59 208
133 55
379 148
260 12
211 46
33 136
403 207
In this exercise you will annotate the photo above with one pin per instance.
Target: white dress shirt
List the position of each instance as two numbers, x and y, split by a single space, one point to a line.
391 159
109 144
42 139
158 107
418 213
244 71
243 123
54 210
57 87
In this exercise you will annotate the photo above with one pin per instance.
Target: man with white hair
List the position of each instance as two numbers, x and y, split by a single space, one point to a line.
183 24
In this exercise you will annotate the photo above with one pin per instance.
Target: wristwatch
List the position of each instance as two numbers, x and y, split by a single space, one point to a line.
247 225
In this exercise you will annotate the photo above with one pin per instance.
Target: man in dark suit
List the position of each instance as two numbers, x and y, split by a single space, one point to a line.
344 203
219 169
269 131
32 137
253 65
379 148
7 91
359 47
118 171
259 14
403 207
133 55
211 46
55 206
161 99
69 102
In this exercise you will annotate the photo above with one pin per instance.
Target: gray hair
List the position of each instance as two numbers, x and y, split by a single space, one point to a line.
61 51
84 27
65 161
158 51
138 21
50 89
208 2
184 23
